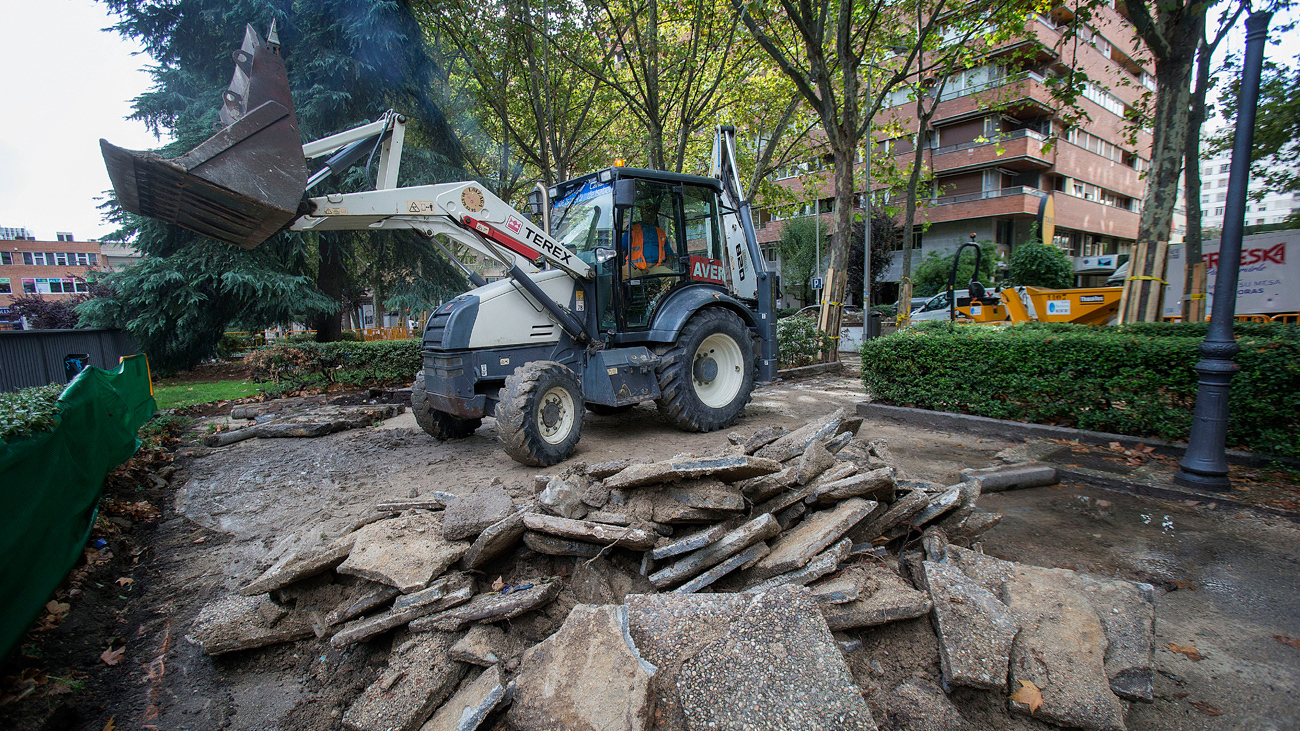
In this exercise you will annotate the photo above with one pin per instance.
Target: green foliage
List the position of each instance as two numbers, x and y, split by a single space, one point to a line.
798 249
801 343
1034 264
317 365
1130 380
886 237
1276 140
29 411
159 430
887 310
931 275
787 311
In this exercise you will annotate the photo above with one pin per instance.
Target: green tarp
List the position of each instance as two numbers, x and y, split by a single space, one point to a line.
50 483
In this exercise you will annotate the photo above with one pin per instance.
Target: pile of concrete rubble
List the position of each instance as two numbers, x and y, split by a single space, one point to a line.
714 592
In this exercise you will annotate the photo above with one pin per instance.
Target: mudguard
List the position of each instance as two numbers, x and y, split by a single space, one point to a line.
680 305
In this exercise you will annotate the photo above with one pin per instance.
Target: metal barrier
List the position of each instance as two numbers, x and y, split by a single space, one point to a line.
40 357
1285 318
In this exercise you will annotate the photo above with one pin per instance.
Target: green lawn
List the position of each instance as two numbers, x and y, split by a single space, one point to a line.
189 394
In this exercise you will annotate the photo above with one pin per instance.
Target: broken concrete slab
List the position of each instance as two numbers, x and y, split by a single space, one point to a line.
493 606
784 500
875 485
1127 614
764 437
469 515
360 630
302 566
370 597
728 469
495 540
793 444
435 592
602 516
819 566
817 531
919 705
845 587
1061 649
791 515
486 645
419 678
407 552
758 529
563 496
708 494
764 487
471 705
596 495
940 504
975 628
238 622
691 542
1012 477
553 546
579 530
667 511
751 554
588 676
885 597
435 501
970 493
775 667
814 461
974 526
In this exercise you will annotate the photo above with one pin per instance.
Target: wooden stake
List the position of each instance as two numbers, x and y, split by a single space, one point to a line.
1156 287
1196 313
1134 268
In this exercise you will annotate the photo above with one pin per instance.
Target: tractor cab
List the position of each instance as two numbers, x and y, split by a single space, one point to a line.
646 233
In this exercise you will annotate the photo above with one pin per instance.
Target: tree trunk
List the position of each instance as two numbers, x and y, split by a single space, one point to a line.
837 263
1193 309
330 280
909 220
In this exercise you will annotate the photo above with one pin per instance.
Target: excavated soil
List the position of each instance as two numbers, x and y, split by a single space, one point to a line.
1225 581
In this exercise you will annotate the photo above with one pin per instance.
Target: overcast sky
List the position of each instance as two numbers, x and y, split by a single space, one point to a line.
69 83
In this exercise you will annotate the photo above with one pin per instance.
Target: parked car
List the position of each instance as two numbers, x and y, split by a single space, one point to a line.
936 307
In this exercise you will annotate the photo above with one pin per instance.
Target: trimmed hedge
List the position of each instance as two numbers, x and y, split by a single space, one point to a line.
299 366
1135 380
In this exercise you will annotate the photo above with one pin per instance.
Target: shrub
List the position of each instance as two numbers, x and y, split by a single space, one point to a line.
29 411
1036 265
349 336
800 342
299 366
1120 380
932 273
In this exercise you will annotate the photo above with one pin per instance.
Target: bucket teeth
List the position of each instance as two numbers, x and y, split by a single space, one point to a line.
244 183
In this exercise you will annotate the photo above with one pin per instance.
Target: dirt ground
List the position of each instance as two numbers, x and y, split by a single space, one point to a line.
1225 581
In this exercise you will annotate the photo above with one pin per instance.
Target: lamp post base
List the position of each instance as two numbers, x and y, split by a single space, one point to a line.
1212 483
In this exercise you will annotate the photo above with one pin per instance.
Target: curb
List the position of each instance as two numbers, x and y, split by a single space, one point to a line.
986 426
816 369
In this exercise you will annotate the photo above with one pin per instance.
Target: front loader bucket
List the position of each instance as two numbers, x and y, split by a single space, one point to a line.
244 183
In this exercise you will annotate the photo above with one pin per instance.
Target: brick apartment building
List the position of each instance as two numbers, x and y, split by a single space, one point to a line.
997 145
53 269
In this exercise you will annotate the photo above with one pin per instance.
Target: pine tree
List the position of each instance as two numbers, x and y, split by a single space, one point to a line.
348 62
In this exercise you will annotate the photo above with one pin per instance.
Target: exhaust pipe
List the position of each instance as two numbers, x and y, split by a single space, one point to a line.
244 183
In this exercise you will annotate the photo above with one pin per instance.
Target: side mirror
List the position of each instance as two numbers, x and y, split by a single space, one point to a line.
603 254
624 193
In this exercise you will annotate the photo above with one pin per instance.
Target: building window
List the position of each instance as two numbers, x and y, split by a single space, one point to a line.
1222 183
1224 169
81 285
769 253
29 286
61 259
4 286
63 236
1221 197
6 259
1218 211
1209 171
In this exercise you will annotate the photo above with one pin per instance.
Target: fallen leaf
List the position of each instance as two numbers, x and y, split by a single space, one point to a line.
57 608
1116 446
1206 708
1181 695
1189 651
1029 695
1292 641
111 725
125 581
1180 584
111 656
498 585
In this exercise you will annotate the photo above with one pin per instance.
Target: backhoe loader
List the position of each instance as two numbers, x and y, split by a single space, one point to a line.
628 286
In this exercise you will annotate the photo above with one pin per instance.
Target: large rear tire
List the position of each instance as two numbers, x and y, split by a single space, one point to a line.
438 424
539 417
707 377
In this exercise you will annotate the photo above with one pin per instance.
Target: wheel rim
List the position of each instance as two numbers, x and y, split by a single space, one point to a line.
729 364
555 415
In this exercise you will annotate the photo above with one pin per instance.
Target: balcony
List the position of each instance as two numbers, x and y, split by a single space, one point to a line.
986 194
1019 201
1018 150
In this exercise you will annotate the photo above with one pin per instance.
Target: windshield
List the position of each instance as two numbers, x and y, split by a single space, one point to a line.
584 219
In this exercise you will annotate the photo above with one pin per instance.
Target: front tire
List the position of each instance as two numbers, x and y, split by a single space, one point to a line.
707 377
539 416
438 424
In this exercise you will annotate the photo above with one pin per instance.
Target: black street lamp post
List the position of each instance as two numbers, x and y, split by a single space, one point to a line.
1205 464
